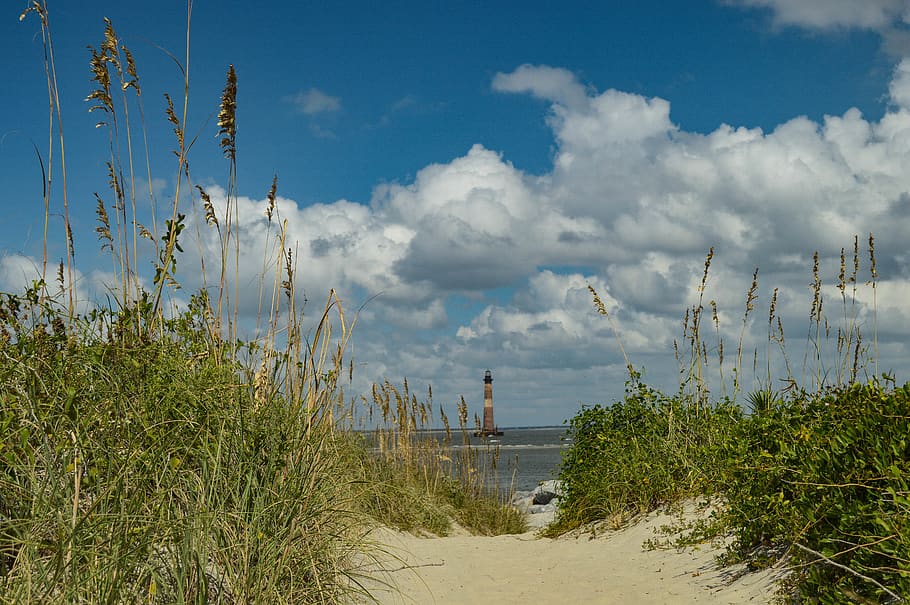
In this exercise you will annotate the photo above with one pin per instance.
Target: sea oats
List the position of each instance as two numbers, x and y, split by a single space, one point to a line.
210 218
227 116
104 228
271 197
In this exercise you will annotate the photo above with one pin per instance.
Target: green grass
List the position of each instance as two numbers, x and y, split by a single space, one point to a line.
150 472
153 452
416 481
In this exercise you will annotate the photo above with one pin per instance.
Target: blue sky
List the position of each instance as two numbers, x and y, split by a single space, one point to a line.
478 164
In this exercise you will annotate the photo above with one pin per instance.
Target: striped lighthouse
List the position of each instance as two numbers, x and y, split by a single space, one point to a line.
489 427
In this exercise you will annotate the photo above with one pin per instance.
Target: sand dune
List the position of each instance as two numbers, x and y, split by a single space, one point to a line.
611 568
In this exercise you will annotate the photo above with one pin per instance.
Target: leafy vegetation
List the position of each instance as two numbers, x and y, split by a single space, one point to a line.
824 479
151 471
640 453
815 478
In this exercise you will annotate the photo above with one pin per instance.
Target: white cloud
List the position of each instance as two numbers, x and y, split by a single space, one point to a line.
17 272
832 14
544 82
315 101
631 206
888 18
899 89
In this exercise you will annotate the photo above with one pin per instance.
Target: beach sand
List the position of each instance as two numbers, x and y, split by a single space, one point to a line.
612 567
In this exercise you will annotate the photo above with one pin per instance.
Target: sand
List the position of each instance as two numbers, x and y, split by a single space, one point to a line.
612 567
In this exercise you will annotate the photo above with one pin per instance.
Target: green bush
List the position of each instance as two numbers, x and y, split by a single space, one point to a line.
637 454
826 478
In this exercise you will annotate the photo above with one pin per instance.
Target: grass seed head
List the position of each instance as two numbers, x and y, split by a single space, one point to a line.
872 269
227 116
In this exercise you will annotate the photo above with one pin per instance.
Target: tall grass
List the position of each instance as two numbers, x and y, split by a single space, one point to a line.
419 479
148 452
151 472
814 474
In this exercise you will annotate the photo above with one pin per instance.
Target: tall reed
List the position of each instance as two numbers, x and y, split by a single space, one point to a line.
421 478
147 453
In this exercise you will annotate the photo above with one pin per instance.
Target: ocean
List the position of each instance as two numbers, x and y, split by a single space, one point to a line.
525 456
529 454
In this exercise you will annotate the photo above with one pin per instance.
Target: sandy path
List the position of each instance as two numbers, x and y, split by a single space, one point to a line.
613 568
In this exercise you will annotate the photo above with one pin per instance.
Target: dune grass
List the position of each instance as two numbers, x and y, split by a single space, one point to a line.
159 451
813 477
150 471
416 480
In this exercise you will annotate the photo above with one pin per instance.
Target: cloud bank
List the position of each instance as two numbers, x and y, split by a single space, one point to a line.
480 264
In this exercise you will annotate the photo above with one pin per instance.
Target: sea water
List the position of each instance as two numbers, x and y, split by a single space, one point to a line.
526 456
523 457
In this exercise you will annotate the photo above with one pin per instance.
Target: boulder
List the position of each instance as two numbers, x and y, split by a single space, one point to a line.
521 501
543 497
550 507
546 491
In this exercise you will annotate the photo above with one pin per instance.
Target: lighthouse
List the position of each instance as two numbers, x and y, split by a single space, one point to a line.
489 427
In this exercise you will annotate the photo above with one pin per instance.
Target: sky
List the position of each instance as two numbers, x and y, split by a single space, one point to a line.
462 172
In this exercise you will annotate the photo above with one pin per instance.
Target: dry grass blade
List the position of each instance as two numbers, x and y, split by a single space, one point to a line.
602 309
133 81
172 118
874 273
271 197
144 232
101 94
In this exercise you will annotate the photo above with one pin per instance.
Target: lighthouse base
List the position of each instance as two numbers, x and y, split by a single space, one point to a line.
488 433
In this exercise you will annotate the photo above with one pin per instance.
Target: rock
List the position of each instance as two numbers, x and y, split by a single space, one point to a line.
540 504
521 501
536 509
546 491
543 497
522 506
540 520
519 496
553 486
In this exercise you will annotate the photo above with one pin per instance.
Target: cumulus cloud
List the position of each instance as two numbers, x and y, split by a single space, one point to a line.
899 89
833 14
631 206
888 18
544 82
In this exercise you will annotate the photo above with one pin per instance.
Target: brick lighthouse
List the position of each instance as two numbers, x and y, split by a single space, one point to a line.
489 427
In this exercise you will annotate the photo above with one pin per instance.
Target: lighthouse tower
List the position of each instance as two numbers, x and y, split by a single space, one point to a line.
489 427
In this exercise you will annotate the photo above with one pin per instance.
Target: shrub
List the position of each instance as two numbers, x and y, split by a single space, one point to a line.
637 454
826 477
